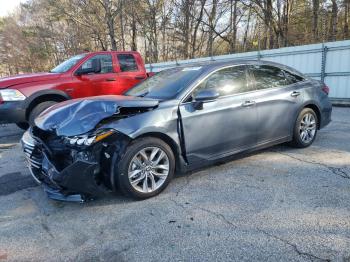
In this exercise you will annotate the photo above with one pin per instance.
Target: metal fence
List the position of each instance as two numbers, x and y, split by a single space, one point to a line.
329 62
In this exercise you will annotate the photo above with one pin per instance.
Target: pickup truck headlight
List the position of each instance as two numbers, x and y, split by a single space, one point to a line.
89 139
11 95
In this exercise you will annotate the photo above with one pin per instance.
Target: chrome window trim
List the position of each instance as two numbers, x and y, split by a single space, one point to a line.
185 97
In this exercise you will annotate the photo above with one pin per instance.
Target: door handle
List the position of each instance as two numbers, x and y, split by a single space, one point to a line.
139 77
248 103
295 93
110 79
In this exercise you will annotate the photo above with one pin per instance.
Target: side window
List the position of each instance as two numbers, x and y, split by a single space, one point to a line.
106 63
227 81
268 76
127 63
292 78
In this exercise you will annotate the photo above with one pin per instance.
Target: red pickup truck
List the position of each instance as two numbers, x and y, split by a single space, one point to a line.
23 97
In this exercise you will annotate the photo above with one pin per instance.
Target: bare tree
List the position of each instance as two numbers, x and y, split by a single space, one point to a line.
111 12
315 12
233 24
346 4
197 22
44 32
245 38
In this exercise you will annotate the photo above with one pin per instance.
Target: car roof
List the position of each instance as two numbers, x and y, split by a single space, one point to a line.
227 62
213 65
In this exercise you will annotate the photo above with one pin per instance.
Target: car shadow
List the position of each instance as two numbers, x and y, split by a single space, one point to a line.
204 165
10 134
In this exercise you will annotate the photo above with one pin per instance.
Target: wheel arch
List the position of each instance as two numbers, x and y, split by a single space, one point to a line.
180 161
167 139
317 111
42 96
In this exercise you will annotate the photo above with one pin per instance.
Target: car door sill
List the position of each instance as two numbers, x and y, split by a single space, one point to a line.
253 148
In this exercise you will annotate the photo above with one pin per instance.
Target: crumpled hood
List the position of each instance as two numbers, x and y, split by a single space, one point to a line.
6 82
78 116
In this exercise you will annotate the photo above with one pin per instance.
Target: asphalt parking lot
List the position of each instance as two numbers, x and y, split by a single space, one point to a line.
277 204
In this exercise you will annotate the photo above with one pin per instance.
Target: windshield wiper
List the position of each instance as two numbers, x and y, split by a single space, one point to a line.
143 94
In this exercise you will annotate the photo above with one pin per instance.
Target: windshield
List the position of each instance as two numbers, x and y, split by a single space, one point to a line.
68 64
166 84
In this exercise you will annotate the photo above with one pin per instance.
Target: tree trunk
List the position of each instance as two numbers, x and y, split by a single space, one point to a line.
212 17
100 41
315 10
148 58
245 38
334 22
287 11
110 23
346 19
233 25
269 24
186 35
121 17
133 32
154 35
195 32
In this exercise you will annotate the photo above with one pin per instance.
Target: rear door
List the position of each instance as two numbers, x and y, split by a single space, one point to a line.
278 99
222 126
131 71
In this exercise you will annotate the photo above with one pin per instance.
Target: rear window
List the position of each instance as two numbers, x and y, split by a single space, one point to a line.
267 76
127 63
292 78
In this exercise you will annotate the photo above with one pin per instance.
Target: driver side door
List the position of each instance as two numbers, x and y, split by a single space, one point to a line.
225 125
103 82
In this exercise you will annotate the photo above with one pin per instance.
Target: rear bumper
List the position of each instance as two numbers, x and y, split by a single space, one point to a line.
76 183
12 112
326 116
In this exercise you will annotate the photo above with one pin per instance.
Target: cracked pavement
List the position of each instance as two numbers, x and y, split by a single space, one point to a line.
277 204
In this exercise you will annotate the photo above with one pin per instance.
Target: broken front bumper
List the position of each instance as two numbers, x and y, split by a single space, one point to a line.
76 182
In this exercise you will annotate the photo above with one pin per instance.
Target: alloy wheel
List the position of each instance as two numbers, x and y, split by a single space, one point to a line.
307 129
148 169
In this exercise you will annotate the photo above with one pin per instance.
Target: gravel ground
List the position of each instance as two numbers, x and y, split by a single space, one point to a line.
272 205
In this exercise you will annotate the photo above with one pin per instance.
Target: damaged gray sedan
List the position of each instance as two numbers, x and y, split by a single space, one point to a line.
179 119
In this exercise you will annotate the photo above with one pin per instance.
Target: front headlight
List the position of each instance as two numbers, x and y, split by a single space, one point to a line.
11 95
89 139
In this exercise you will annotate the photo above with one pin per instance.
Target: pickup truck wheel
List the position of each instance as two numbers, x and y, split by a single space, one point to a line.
23 125
38 109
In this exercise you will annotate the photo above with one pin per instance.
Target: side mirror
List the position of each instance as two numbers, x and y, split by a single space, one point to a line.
95 68
205 95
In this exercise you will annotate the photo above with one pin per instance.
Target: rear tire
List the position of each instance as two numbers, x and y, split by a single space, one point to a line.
305 129
147 159
38 109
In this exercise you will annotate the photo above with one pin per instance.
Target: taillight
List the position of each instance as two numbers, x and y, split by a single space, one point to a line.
325 89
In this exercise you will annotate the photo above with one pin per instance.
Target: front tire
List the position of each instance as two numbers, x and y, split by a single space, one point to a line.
305 129
146 168
38 109
23 125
